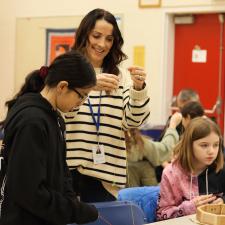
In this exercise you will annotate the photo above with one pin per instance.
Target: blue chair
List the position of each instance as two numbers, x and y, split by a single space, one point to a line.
152 133
145 197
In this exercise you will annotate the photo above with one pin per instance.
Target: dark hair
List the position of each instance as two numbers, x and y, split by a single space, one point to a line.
193 109
72 67
115 55
198 128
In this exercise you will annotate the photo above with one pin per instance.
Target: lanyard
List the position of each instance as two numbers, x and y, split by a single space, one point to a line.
96 122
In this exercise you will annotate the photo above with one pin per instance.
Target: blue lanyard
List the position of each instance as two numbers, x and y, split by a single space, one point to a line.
96 122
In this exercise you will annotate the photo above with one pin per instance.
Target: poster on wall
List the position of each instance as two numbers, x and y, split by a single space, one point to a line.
199 56
58 41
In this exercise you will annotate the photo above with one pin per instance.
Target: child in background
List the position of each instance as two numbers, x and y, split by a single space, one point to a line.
190 111
184 96
35 182
196 175
144 154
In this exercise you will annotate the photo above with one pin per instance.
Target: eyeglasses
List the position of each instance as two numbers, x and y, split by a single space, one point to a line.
81 97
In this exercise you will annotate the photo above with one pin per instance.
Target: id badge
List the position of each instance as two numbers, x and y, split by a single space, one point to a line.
98 154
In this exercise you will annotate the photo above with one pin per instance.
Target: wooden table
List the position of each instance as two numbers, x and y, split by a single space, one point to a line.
184 220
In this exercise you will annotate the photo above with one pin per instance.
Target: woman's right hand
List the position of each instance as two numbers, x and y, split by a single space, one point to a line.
107 82
203 199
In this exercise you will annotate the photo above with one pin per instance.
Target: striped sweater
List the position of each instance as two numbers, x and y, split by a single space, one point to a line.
120 110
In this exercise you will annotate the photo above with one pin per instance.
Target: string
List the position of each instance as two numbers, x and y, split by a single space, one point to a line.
132 214
107 222
103 219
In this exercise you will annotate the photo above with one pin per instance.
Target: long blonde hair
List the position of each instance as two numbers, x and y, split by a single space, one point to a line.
134 137
198 128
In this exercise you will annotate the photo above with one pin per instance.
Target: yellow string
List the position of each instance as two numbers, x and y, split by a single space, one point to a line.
107 222
132 214
103 219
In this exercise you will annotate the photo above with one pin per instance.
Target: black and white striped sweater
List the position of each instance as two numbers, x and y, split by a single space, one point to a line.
120 110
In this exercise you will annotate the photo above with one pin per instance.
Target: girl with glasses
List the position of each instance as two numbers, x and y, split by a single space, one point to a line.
35 181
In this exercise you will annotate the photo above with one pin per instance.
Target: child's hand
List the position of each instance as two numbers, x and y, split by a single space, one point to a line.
218 201
175 120
204 199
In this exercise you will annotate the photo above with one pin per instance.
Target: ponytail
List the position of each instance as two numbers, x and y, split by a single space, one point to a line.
34 82
72 67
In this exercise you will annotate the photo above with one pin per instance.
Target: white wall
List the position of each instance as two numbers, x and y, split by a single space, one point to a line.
140 27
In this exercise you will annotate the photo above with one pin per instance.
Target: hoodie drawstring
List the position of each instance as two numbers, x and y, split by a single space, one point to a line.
190 191
206 182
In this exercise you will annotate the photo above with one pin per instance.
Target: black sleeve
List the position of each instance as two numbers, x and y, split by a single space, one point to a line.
80 216
221 182
27 184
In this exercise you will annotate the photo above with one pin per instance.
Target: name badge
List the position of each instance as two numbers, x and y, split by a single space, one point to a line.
98 154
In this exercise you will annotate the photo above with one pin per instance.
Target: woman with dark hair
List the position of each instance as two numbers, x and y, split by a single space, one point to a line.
115 54
96 152
35 181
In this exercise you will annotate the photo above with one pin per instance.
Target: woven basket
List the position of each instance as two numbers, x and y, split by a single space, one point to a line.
211 214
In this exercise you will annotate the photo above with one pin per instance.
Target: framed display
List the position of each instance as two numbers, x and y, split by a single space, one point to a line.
149 3
58 41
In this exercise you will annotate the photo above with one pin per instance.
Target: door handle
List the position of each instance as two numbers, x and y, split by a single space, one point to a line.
216 107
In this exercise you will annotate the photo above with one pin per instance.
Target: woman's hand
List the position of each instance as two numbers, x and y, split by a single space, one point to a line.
106 82
203 199
138 76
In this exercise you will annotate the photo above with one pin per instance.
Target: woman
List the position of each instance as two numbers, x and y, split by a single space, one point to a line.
96 151
35 182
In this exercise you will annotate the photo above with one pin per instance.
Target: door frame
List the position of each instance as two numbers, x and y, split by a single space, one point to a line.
168 50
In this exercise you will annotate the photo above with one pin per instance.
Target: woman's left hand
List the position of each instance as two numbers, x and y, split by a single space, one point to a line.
138 75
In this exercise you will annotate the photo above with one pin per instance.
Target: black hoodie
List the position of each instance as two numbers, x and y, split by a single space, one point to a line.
36 185
210 182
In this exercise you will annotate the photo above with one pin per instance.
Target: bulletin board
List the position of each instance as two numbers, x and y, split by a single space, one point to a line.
58 41
32 41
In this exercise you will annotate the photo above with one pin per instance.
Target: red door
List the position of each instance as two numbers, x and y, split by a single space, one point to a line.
207 77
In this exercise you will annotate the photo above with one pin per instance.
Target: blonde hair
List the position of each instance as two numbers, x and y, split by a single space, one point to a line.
134 137
198 128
